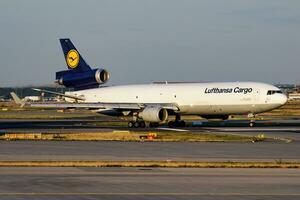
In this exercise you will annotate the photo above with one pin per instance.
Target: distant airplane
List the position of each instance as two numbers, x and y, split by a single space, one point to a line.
154 103
32 98
25 99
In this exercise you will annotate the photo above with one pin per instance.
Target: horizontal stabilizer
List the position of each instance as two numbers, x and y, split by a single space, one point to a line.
60 94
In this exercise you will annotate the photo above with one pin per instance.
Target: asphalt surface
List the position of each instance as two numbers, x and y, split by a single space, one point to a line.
149 183
100 150
278 129
285 147
138 183
277 133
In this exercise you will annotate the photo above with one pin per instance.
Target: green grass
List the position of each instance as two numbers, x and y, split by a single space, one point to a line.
170 136
201 136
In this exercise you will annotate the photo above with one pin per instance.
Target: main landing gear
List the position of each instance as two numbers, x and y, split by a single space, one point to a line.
177 123
141 124
136 124
172 124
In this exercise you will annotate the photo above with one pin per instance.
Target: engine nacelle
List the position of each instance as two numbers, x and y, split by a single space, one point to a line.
154 114
82 79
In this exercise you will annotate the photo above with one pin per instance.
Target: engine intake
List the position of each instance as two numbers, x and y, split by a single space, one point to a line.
101 76
82 79
154 114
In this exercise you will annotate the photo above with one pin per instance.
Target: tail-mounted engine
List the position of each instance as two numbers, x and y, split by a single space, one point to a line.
80 80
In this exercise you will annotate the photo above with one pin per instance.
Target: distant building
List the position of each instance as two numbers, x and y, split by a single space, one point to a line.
298 88
287 88
294 96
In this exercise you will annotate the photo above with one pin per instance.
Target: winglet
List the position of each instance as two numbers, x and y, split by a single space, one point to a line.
17 100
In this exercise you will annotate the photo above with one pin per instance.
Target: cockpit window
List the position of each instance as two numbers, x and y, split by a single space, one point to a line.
270 92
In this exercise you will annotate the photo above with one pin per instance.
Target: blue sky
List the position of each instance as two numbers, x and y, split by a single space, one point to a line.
139 41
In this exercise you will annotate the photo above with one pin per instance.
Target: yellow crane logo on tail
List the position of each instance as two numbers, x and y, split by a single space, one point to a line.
72 58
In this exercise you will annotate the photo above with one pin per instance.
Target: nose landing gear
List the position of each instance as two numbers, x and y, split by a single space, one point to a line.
252 119
251 123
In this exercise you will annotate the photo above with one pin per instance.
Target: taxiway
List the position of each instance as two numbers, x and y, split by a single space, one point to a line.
139 183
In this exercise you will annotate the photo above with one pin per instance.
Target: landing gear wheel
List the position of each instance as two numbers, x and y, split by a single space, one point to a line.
171 124
142 124
153 124
181 123
252 124
251 116
136 124
130 124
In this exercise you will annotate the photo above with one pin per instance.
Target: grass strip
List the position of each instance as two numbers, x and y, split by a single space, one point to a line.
165 136
151 164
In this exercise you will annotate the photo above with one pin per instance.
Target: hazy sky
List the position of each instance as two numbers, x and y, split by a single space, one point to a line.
139 41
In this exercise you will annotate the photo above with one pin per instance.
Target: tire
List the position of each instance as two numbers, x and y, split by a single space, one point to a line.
142 124
171 124
130 124
136 124
182 124
252 124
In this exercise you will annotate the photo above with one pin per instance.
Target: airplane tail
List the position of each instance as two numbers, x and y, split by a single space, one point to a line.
73 58
79 74
17 100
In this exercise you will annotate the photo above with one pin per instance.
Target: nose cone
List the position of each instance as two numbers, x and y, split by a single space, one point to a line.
283 99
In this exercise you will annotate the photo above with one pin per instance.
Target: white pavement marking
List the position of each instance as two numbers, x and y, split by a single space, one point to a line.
257 129
173 129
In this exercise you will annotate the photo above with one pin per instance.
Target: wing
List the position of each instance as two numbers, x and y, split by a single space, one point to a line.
116 106
100 105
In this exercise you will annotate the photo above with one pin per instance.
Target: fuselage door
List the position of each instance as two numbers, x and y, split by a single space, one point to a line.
257 95
268 97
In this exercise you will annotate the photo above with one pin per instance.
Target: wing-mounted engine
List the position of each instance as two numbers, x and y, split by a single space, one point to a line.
154 114
80 80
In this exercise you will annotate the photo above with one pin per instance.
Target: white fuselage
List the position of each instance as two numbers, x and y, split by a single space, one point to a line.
194 98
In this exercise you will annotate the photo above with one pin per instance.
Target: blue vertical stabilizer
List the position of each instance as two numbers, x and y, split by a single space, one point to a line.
73 58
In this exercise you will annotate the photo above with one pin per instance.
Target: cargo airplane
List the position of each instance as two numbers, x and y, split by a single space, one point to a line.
152 104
